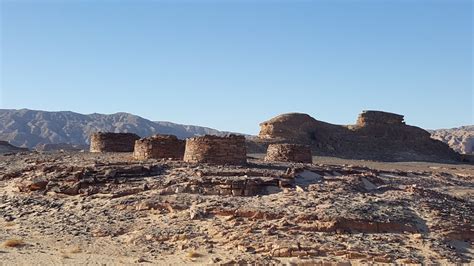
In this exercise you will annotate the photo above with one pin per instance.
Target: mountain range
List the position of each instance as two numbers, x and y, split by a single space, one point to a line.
460 139
32 128
29 128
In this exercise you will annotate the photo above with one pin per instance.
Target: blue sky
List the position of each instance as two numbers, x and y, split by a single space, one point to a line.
233 64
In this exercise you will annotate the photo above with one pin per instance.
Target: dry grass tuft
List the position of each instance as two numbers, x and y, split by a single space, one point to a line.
13 243
75 250
193 254
9 224
66 253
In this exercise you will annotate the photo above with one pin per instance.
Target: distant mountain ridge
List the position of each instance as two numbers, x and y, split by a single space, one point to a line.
460 139
28 128
6 147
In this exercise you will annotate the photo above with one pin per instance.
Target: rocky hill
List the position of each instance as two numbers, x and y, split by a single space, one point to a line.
376 135
6 147
460 139
29 128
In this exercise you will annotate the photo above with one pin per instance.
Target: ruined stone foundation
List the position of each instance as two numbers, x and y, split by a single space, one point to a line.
113 142
289 153
216 150
159 147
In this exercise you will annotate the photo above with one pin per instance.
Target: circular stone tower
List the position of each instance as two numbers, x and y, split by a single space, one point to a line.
112 142
216 150
159 147
289 153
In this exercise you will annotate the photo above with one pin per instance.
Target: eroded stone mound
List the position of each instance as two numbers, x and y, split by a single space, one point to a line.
6 147
159 147
217 150
289 153
113 142
287 126
376 136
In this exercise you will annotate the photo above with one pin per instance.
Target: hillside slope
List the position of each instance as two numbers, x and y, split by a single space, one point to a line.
28 128
460 139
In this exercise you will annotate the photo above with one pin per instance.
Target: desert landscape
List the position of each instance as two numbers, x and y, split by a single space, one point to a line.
263 132
213 200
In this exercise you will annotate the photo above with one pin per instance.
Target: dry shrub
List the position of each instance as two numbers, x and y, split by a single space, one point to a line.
13 243
193 254
75 250
9 224
66 253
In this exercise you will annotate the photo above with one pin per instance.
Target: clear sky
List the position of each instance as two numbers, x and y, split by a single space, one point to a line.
233 64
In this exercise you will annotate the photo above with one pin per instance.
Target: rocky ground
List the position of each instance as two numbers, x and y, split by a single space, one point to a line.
83 208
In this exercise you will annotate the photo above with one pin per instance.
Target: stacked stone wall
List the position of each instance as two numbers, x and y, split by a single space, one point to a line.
159 147
289 153
112 142
216 150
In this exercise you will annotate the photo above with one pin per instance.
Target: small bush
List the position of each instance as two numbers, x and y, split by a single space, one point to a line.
13 243
75 250
193 254
9 224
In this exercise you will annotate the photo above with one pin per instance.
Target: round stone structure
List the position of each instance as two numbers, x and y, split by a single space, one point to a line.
112 142
159 147
216 150
289 153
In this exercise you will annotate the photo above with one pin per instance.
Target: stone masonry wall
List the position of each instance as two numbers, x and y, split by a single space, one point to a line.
289 153
217 150
113 142
159 147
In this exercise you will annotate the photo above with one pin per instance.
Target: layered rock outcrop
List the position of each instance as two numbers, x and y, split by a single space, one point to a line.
113 142
376 136
159 147
216 150
6 147
289 153
368 118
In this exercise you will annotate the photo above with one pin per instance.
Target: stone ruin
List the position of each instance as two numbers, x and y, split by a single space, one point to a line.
159 147
289 153
216 150
375 136
112 142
